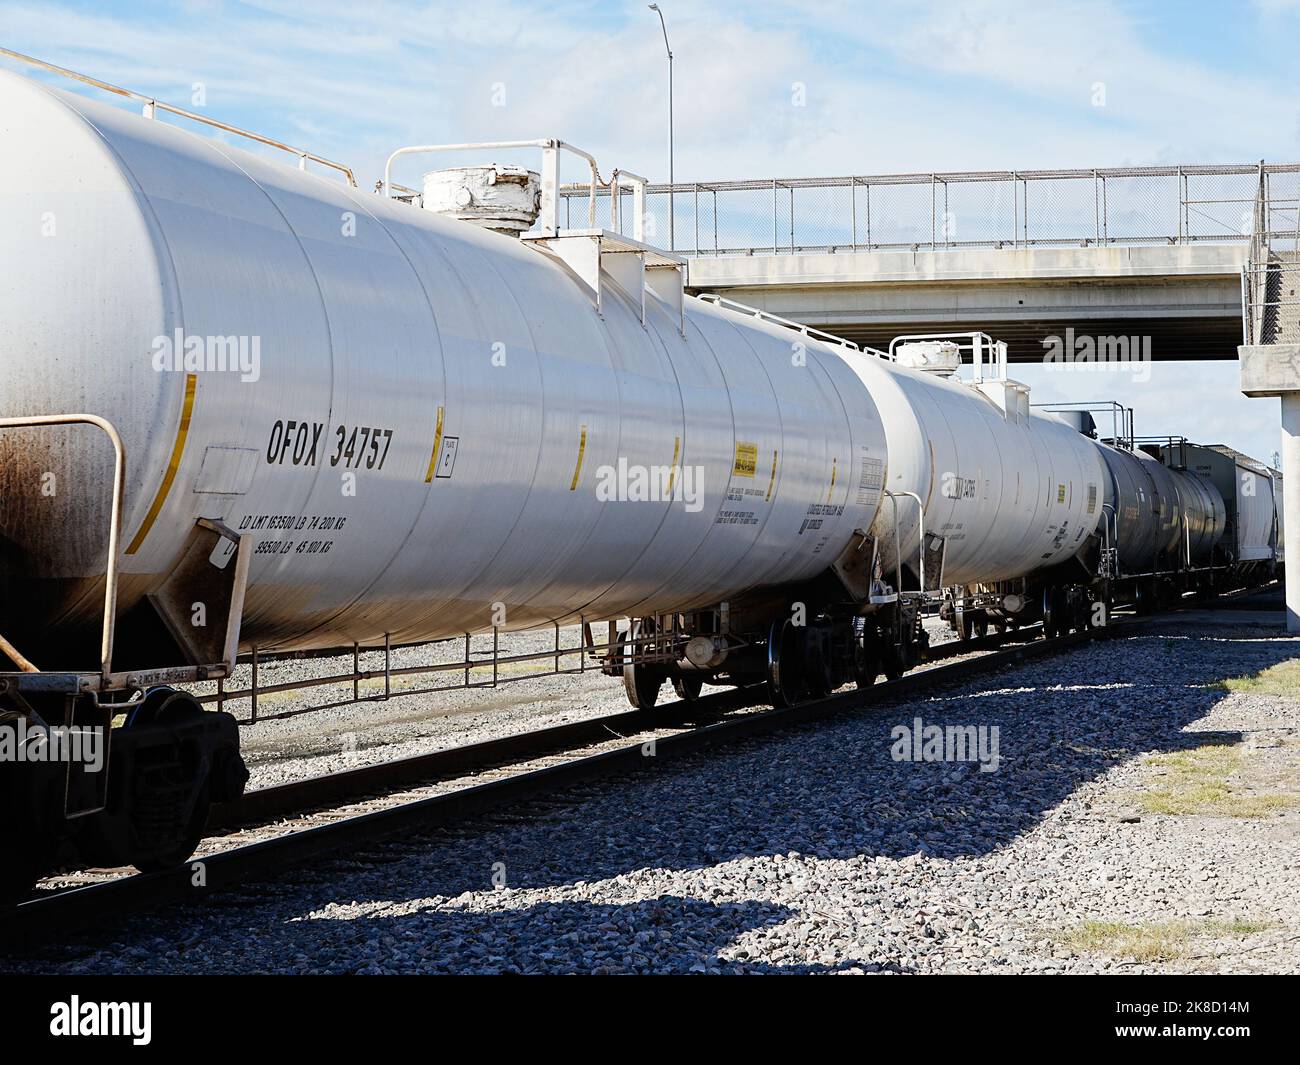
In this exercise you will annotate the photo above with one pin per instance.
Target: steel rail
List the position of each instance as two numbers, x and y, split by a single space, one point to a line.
265 804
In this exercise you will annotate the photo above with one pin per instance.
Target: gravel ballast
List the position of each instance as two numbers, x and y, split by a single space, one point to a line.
1141 818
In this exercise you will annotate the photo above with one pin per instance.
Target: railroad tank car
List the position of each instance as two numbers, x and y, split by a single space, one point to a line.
400 480
1008 490
1133 505
1160 514
1204 515
1169 528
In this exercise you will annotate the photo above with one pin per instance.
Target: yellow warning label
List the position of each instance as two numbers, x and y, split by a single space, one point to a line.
1060 493
746 463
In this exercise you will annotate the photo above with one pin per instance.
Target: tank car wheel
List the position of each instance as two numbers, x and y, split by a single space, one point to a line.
185 847
891 663
1051 603
641 682
688 688
866 658
819 675
1144 598
980 625
961 623
786 680
167 704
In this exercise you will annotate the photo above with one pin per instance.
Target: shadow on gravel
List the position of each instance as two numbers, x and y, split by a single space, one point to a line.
667 934
832 790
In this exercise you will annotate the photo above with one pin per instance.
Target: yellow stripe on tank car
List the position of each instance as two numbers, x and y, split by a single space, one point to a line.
672 470
433 455
582 450
831 489
173 464
771 481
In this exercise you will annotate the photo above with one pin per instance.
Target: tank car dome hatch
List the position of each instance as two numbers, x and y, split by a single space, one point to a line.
504 199
933 356
1080 420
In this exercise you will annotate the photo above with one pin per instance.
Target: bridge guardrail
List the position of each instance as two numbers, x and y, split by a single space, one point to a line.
991 209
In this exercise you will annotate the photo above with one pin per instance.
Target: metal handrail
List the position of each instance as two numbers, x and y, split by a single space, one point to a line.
977 176
979 342
776 319
1024 219
151 104
115 517
920 517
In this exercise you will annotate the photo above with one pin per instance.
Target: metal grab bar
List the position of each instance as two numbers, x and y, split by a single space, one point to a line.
151 104
920 552
620 180
115 518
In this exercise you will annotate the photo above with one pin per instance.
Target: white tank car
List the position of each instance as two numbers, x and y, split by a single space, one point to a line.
1010 490
434 407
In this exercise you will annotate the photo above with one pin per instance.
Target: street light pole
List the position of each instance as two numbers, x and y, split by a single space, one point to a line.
672 242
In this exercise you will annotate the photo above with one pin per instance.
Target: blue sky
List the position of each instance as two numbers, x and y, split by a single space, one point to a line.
915 85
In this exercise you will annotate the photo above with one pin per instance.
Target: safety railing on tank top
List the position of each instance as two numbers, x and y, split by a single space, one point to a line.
152 105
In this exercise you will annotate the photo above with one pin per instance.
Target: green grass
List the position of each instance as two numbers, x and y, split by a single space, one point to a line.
1196 782
1153 941
1282 679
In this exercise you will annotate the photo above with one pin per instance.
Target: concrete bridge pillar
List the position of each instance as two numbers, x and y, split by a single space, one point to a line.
1291 504
1274 370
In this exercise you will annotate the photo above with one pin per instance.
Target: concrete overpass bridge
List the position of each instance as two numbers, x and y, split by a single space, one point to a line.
1150 251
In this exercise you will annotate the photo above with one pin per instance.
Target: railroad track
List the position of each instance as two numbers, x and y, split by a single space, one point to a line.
481 777
266 804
